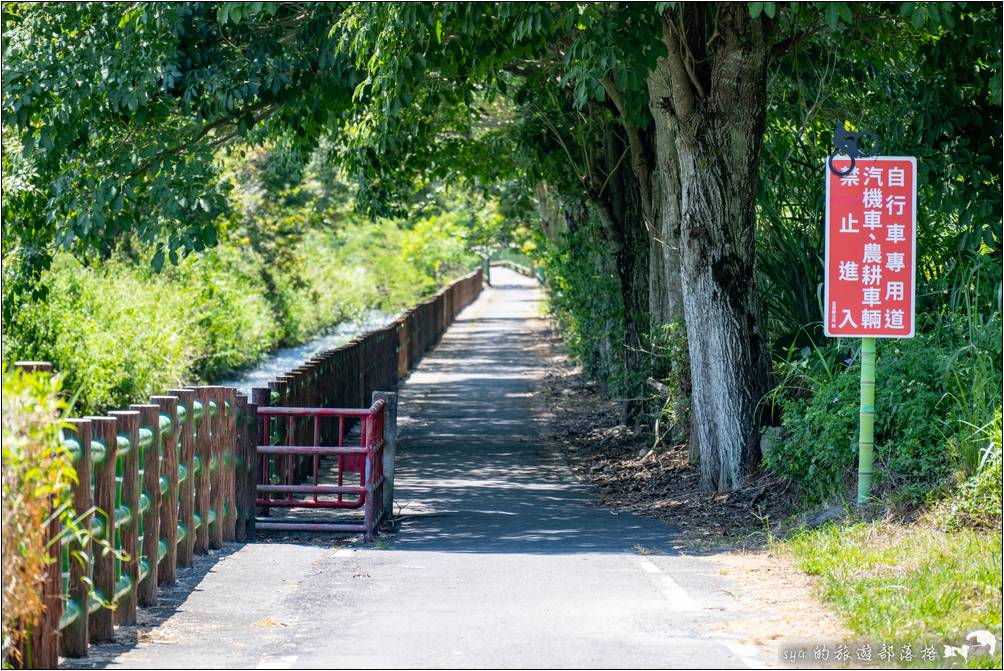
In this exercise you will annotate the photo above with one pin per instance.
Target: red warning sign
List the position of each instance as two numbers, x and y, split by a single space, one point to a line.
871 244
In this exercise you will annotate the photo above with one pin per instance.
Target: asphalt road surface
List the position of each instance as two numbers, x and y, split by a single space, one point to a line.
500 558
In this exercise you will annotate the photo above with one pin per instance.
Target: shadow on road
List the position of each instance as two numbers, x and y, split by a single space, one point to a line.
475 474
169 599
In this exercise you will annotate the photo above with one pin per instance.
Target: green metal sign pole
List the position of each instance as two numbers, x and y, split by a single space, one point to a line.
866 418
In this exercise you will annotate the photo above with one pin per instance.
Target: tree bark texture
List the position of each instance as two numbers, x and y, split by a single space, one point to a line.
620 204
719 103
665 287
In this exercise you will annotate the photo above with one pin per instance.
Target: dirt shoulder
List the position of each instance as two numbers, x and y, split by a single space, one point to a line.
731 530
617 461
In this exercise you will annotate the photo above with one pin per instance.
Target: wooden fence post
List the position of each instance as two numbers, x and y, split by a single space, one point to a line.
414 352
149 420
167 570
299 389
73 639
216 473
260 398
45 640
41 649
280 387
103 430
324 381
186 486
251 441
128 428
203 452
230 455
241 466
359 365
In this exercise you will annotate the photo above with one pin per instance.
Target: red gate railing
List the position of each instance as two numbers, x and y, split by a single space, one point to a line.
300 439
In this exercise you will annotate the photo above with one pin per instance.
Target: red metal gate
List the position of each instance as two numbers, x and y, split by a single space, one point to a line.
290 465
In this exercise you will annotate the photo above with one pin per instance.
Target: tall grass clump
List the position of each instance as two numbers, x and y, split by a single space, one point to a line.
933 394
37 477
977 503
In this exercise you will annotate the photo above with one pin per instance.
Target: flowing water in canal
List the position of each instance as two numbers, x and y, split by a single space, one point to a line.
281 361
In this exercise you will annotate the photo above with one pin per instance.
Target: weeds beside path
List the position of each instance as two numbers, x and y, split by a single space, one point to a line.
908 584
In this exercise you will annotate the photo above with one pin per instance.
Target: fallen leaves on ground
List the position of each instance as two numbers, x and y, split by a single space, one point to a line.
269 623
628 475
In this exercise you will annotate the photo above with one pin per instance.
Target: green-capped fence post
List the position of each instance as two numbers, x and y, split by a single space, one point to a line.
866 435
253 467
203 453
215 471
186 475
170 433
73 638
229 465
241 466
149 508
104 446
128 431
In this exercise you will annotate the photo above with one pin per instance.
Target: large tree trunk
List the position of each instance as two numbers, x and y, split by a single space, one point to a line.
620 206
665 281
665 288
719 103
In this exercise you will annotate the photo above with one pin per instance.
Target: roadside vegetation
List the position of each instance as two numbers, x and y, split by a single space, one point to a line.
289 264
918 574
37 477
908 584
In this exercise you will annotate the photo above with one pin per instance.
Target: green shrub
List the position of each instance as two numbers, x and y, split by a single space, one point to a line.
437 246
584 297
381 275
37 477
120 332
928 390
233 320
108 333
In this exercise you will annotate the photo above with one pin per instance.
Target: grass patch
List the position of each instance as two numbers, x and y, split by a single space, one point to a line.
898 584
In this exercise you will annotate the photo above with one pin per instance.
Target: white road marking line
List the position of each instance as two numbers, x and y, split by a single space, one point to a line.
286 662
677 597
747 654
649 566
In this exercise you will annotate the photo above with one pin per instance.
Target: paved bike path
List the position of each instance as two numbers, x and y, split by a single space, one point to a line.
501 558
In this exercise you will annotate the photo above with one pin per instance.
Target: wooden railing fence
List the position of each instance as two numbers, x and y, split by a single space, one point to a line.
175 477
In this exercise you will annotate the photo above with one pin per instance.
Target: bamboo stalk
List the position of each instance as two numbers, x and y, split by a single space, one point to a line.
866 418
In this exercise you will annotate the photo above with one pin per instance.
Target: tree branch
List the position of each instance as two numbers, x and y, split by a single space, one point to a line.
793 41
687 56
639 160
201 133
680 82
